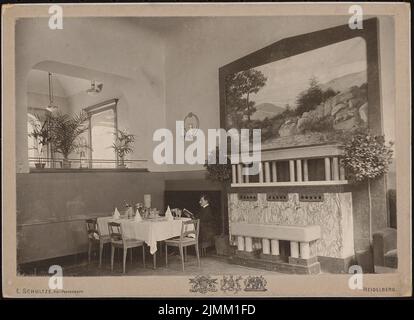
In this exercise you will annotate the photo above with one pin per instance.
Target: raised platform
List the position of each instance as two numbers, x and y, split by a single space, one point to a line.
276 263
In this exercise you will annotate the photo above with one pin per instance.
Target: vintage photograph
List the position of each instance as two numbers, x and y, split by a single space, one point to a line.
95 198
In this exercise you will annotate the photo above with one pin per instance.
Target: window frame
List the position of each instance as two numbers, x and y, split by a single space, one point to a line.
111 104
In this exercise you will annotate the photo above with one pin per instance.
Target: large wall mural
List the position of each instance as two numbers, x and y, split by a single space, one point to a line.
308 98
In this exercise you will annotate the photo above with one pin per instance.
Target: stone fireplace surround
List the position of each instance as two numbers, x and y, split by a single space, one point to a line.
314 217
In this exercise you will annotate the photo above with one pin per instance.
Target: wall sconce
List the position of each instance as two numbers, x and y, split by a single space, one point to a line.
191 125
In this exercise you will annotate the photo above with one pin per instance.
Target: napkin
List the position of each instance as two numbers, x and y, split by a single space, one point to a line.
116 215
138 217
168 214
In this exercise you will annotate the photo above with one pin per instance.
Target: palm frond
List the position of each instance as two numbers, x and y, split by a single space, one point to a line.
65 131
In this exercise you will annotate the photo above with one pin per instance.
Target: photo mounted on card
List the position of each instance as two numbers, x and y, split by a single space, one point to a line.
206 150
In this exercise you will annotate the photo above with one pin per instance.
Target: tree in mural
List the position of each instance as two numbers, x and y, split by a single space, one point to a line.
239 87
312 97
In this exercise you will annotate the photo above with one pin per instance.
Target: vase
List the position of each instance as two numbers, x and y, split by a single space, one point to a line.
121 163
40 165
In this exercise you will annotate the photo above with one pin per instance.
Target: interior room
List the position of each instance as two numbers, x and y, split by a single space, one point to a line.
95 199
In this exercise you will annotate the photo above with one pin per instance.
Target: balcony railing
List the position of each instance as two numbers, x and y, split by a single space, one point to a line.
82 163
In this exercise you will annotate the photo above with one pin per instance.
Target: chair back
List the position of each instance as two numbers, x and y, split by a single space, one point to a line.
115 231
187 230
92 229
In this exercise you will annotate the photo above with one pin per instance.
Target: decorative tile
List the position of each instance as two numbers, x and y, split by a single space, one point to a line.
333 215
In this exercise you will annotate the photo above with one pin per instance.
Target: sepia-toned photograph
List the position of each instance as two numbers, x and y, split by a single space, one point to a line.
128 170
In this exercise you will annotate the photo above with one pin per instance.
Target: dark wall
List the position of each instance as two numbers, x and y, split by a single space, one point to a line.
190 201
52 207
195 183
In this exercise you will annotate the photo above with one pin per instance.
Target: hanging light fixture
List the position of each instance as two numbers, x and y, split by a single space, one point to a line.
51 107
95 88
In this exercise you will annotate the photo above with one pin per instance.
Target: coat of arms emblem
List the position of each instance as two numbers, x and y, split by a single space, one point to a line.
203 284
255 283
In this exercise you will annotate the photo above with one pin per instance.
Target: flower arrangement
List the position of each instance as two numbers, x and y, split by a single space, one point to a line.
123 145
217 171
366 157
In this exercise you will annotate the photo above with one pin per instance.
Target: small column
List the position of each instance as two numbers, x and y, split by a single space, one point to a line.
240 243
233 173
327 169
267 171
260 172
292 170
275 247
335 168
304 250
299 170
341 172
305 170
266 246
274 171
248 244
294 249
239 174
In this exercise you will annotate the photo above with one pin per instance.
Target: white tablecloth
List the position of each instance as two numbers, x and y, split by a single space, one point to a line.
149 231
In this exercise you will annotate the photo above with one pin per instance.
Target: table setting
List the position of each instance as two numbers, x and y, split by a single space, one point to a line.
145 224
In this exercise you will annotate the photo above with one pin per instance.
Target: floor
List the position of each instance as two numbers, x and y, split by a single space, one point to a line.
210 264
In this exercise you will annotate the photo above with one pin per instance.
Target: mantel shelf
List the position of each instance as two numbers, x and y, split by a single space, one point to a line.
290 184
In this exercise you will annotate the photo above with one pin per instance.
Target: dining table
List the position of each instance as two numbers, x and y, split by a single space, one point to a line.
150 230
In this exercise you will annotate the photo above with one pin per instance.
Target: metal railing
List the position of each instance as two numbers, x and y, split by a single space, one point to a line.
84 163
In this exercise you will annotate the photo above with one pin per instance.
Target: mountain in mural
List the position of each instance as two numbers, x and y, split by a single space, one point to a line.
345 82
266 109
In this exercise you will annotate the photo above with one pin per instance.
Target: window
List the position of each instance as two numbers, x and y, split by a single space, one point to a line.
32 146
102 129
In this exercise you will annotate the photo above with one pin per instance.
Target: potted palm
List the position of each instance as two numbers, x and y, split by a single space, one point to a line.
65 132
41 134
123 145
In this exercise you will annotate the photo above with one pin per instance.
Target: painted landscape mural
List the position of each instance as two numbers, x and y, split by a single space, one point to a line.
309 98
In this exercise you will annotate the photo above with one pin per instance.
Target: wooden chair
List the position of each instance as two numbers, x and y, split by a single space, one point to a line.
185 240
118 240
95 237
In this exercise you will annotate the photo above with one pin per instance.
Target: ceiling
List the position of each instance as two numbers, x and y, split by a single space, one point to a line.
162 25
